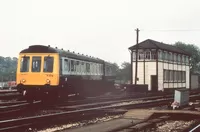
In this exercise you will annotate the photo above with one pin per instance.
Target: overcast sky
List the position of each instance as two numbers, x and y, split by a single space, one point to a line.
100 28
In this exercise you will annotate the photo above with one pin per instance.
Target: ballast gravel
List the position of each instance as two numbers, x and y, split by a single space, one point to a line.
79 124
171 126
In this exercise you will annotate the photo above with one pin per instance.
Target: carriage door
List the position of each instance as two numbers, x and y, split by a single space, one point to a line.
154 83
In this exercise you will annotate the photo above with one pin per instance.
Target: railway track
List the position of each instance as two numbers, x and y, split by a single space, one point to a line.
9 94
104 103
24 108
25 122
28 121
12 108
7 91
7 103
82 110
72 101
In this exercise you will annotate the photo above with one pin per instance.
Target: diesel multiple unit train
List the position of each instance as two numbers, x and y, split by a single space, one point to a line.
44 70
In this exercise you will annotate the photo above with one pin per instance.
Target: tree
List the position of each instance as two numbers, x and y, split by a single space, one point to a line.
116 67
124 73
8 68
195 54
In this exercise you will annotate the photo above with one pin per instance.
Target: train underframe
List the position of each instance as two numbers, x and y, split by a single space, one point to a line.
77 87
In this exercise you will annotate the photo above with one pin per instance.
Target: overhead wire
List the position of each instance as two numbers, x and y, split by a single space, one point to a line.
170 30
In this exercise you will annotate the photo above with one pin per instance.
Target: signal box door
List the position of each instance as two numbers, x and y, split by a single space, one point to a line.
154 83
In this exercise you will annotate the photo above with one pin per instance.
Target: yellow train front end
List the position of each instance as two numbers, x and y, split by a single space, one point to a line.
37 74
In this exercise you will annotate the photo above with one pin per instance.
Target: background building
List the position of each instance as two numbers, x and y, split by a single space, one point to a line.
161 66
195 81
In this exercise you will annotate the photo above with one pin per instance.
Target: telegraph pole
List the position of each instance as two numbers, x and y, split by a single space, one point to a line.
136 54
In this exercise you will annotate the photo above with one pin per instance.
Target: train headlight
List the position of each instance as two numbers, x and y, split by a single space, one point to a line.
48 81
23 81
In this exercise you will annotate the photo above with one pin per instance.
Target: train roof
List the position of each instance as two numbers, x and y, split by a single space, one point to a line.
48 49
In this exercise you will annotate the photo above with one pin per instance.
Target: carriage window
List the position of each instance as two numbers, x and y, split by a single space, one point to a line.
77 66
87 67
66 65
36 64
48 64
72 66
91 68
101 69
97 69
61 68
94 68
25 64
83 67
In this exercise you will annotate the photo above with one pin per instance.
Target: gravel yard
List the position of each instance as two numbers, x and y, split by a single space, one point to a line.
163 107
171 126
79 124
126 103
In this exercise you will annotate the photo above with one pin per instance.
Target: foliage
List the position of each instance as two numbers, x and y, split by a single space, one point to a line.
8 68
124 73
195 54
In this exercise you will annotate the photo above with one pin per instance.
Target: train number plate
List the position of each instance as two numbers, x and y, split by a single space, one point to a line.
49 75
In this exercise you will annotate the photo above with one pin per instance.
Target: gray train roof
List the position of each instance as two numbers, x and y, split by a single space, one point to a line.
48 49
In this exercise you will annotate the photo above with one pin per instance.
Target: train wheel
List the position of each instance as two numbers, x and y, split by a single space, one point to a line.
50 97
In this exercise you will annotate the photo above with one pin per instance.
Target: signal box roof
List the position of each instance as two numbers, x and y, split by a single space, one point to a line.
152 44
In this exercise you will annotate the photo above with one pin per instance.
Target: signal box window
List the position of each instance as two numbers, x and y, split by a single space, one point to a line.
25 64
36 64
48 64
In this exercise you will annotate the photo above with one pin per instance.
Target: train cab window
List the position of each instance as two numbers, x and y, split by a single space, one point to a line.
36 64
24 66
48 64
